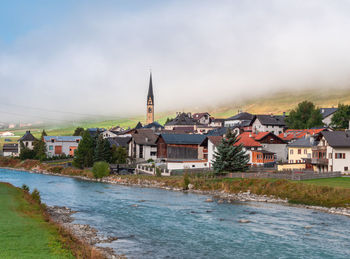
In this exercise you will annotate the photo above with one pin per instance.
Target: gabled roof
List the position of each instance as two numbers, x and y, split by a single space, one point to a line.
242 116
147 139
272 120
247 139
62 138
27 137
291 134
183 119
304 142
153 125
138 125
216 140
195 139
337 138
119 141
327 111
198 116
217 132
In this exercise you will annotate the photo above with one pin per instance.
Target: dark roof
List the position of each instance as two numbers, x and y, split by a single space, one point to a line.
216 140
218 120
304 142
275 120
327 111
242 116
150 90
217 132
27 137
148 139
196 139
183 119
153 125
10 148
138 125
119 141
337 138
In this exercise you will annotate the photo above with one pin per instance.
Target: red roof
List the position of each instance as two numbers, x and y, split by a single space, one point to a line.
247 139
298 133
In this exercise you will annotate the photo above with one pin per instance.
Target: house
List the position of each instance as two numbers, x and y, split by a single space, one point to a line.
257 155
142 146
155 126
7 134
332 153
119 142
212 143
182 120
327 114
242 118
110 134
10 149
271 123
181 151
61 145
27 140
272 143
301 149
94 132
202 118
217 123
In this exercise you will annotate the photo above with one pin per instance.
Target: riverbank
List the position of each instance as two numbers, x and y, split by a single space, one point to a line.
335 200
28 231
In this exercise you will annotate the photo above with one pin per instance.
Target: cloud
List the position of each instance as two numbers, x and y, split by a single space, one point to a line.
201 53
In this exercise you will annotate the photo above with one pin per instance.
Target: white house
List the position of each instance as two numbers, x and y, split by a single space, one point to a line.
271 123
332 152
59 145
327 114
202 118
27 140
7 134
142 146
10 149
242 118
213 142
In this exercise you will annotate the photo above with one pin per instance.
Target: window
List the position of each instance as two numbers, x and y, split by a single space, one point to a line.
305 151
291 151
346 168
52 140
50 147
193 166
299 151
292 161
339 155
141 151
153 153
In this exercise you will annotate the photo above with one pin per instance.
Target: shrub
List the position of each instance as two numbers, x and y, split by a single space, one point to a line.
56 169
186 181
36 196
150 160
25 188
100 169
158 172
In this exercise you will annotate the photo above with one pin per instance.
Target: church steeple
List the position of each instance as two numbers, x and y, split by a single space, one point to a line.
150 102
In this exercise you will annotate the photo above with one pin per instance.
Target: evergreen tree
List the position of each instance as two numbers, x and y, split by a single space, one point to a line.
119 155
305 116
40 147
340 119
78 132
84 155
230 157
107 152
99 150
26 153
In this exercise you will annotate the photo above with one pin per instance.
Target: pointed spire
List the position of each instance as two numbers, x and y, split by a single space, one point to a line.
150 89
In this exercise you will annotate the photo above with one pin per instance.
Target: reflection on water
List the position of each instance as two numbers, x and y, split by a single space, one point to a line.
153 223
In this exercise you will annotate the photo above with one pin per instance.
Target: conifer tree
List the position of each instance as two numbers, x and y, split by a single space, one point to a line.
230 157
99 150
107 152
40 147
84 155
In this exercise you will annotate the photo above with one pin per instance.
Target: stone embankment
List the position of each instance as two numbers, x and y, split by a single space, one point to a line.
86 233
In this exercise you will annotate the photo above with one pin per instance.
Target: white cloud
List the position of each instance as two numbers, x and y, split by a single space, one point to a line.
201 52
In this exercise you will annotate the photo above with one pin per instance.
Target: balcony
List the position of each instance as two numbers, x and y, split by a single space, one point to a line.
319 161
319 148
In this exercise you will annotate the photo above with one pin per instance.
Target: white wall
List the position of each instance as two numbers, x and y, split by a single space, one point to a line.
50 152
279 149
338 163
257 126
187 165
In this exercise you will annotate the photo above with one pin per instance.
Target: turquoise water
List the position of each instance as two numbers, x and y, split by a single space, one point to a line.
177 225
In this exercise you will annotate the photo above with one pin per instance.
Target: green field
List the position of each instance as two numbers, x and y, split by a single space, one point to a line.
23 231
343 182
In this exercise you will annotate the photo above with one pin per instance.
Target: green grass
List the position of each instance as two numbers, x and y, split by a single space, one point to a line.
343 182
23 231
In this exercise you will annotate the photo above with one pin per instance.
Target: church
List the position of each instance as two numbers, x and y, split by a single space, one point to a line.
150 103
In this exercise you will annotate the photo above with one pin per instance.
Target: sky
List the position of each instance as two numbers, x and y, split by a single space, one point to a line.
63 59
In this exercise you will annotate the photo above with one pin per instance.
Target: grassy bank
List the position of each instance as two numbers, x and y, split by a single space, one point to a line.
27 232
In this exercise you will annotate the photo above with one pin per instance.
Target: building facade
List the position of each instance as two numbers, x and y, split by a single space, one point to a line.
61 145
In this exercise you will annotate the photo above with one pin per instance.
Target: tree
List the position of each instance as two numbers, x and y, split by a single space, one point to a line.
84 154
230 157
305 116
78 132
26 153
40 147
99 150
107 151
119 155
340 119
100 169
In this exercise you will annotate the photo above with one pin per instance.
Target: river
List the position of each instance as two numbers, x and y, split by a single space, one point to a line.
168 224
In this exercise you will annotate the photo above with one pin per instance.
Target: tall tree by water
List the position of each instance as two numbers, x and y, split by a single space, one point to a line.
84 155
305 116
40 147
341 117
230 157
